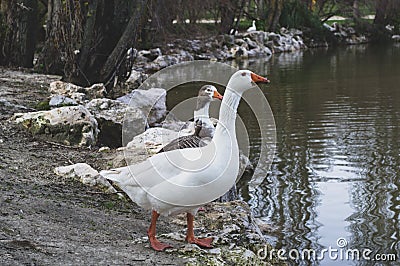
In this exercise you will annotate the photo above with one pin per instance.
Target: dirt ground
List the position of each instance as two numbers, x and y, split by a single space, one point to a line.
49 220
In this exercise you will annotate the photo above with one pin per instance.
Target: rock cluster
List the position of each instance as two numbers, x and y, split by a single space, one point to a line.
83 117
346 34
223 47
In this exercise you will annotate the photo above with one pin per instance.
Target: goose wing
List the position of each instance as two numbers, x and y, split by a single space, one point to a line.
160 178
184 142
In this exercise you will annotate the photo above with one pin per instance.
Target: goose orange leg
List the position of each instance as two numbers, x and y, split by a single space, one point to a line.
201 242
151 233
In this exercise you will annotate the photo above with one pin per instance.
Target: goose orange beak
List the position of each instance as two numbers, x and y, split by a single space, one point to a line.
217 95
258 79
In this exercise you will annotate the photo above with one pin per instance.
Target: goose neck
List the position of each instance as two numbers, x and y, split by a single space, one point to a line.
227 114
202 111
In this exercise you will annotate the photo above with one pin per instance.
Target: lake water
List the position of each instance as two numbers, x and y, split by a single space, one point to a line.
335 174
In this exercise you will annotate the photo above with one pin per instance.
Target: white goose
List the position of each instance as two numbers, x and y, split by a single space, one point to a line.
184 180
253 27
204 128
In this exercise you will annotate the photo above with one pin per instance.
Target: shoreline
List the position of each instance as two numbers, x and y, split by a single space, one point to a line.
51 219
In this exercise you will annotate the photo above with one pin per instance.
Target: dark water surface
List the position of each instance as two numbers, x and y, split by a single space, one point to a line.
337 161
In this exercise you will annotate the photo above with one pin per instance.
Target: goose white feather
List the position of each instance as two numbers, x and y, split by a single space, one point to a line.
183 180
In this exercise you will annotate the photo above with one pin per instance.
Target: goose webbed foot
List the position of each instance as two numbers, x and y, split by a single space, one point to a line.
157 245
201 242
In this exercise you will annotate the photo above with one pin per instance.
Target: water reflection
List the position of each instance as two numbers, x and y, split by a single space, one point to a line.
337 166
337 159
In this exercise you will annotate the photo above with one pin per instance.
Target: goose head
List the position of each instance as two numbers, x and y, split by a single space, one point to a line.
209 92
242 80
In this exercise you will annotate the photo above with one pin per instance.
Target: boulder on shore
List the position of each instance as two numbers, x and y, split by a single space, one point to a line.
70 125
151 102
111 116
143 146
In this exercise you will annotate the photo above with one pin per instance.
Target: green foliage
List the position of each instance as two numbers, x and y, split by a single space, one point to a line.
295 14
43 105
109 205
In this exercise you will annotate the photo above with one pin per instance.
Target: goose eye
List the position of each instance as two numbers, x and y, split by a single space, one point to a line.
244 74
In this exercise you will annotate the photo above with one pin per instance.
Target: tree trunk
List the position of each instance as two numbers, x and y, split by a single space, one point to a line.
161 21
227 15
380 15
274 14
19 36
63 35
392 14
356 10
128 39
86 40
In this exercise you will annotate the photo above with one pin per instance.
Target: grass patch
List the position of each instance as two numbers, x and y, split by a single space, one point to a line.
43 105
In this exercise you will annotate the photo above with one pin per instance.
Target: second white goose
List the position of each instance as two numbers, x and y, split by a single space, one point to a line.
204 128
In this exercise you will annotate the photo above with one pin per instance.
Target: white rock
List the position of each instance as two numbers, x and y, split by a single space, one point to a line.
86 174
239 52
173 123
389 27
327 26
252 44
104 149
156 52
155 138
136 78
230 228
71 125
151 102
63 88
396 38
145 145
126 156
248 254
266 51
257 36
61 100
241 42
214 251
77 93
